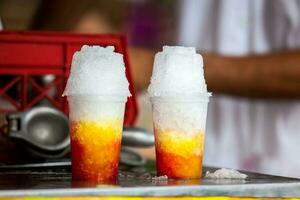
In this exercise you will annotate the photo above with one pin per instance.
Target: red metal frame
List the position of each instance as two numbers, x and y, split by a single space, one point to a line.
25 55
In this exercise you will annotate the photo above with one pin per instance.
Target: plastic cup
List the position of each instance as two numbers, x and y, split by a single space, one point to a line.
96 132
179 128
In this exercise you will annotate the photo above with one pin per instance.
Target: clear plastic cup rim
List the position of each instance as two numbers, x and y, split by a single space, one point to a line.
203 97
93 97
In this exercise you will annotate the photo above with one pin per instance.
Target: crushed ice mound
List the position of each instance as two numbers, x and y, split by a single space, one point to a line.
177 71
225 174
97 71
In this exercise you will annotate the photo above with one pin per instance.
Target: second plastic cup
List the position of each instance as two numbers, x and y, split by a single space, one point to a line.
96 132
179 127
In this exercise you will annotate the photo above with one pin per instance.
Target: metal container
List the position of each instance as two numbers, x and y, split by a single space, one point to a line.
42 131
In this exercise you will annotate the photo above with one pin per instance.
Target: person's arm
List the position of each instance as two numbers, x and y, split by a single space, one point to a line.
275 75
141 63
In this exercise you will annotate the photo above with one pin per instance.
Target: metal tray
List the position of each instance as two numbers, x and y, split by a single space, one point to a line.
54 179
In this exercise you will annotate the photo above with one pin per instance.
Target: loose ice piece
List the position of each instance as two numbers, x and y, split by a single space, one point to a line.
225 174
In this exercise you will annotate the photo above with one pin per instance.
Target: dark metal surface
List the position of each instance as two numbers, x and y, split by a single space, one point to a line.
55 180
42 131
131 157
137 137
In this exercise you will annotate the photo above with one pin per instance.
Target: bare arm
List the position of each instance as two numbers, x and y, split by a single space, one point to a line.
275 75
141 62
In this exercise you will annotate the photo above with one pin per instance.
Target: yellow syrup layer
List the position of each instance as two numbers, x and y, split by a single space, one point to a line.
95 149
180 143
96 133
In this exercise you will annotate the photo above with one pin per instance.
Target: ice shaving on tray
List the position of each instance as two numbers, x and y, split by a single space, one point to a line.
225 174
179 101
97 91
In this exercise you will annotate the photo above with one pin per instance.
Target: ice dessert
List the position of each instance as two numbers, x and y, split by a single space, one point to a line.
179 101
97 90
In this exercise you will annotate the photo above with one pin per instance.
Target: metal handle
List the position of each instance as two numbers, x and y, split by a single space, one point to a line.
14 122
137 137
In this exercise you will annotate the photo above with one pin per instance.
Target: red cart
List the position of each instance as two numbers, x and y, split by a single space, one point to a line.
27 56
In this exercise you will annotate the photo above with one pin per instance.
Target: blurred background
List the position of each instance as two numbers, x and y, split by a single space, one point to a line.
251 59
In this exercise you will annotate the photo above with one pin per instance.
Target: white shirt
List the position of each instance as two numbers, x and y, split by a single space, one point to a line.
258 135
